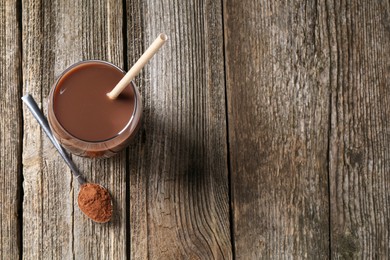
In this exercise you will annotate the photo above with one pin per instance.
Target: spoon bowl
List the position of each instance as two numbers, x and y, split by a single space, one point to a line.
95 202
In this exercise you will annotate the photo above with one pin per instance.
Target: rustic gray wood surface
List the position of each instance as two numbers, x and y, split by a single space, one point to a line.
360 129
178 166
308 91
278 102
10 131
265 135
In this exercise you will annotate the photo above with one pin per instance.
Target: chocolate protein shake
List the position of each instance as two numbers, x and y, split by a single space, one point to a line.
83 119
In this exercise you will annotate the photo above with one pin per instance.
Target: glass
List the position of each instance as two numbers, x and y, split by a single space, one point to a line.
94 149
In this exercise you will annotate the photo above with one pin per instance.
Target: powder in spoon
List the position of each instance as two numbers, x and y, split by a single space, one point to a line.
95 202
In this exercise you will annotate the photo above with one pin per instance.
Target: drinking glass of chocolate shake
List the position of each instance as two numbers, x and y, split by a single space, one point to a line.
84 119
95 108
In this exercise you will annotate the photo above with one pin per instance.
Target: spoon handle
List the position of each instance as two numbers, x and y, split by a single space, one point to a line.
32 105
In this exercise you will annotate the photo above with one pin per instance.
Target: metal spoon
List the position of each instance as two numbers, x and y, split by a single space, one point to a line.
32 105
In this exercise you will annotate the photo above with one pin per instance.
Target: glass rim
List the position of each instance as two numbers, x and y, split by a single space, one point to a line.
67 70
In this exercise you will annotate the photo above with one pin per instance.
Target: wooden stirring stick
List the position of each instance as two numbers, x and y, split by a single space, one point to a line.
134 71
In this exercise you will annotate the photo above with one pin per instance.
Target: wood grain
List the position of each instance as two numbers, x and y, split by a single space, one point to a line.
178 166
47 204
57 34
102 34
278 92
307 92
10 131
360 134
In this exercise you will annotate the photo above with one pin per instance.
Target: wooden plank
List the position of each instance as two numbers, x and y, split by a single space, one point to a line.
10 130
55 35
179 207
102 31
47 204
278 66
360 134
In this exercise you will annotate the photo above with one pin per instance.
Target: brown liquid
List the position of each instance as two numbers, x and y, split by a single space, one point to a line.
82 107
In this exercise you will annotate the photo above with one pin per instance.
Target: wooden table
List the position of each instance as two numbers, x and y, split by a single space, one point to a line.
266 130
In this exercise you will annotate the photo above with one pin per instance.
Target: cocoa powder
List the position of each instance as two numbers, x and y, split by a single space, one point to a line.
95 202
